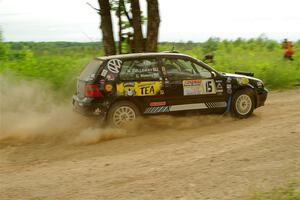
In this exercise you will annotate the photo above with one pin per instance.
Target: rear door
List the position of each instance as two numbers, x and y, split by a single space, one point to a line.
189 86
141 80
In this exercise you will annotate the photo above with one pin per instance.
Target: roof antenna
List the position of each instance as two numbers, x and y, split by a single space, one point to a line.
91 40
87 36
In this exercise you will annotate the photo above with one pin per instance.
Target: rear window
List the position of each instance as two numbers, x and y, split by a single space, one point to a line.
90 70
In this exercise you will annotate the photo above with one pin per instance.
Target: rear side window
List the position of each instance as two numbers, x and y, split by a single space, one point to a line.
90 70
142 69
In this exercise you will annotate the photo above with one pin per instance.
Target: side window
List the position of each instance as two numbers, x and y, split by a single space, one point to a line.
179 69
142 69
204 73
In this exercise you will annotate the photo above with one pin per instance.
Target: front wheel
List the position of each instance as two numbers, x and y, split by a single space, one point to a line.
243 103
122 113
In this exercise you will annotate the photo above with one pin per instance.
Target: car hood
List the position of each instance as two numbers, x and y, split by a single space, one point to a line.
240 76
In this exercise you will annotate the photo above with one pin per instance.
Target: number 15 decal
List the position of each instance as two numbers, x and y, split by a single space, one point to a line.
210 87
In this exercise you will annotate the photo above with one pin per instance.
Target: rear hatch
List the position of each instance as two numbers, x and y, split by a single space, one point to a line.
87 76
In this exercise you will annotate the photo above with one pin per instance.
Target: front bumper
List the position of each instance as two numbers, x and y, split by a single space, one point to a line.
261 97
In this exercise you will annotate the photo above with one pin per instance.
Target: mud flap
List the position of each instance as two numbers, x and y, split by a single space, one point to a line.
228 108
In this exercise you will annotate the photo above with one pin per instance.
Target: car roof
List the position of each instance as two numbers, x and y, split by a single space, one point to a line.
140 55
147 55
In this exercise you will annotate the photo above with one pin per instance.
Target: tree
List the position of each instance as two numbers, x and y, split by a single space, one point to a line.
138 39
153 25
106 27
132 20
124 23
119 15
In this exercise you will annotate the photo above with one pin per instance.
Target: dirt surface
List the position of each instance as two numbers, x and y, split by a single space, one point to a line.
210 157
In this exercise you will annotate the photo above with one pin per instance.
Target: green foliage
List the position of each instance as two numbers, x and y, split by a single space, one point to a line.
59 63
211 45
3 49
279 193
261 56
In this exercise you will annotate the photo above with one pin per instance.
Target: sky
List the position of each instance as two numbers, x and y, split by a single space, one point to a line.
188 20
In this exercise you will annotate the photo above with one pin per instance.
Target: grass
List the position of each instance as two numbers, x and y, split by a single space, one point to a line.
59 63
287 192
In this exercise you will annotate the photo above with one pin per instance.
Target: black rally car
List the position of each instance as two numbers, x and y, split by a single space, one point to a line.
120 88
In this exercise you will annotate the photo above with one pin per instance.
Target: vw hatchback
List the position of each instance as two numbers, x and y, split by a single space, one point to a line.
122 87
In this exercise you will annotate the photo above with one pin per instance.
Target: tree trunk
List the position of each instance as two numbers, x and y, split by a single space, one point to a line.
153 25
106 27
120 26
138 38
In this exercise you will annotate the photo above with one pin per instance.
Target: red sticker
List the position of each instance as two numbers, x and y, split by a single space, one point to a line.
158 103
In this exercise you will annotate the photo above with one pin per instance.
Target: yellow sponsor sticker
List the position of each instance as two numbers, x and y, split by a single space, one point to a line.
145 88
243 81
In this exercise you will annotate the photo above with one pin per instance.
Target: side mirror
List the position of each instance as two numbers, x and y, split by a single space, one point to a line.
213 74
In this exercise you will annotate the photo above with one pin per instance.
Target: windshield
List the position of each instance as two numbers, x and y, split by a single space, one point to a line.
90 70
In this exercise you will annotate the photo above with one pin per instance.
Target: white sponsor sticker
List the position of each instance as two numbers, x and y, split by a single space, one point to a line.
219 87
110 77
198 87
192 87
104 73
114 65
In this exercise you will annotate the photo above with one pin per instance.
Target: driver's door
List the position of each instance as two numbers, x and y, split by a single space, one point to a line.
190 86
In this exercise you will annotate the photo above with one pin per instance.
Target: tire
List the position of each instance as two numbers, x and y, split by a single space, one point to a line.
243 103
121 113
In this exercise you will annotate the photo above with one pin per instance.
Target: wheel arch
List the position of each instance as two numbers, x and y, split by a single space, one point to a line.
249 87
128 99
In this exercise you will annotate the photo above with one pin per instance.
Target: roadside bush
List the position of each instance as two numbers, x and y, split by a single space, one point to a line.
3 49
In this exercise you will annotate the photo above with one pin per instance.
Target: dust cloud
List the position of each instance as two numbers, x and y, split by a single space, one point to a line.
30 111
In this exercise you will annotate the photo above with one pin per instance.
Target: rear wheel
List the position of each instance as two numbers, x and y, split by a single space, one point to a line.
243 103
122 113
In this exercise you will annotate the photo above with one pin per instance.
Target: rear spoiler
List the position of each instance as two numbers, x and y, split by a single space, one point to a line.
245 73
